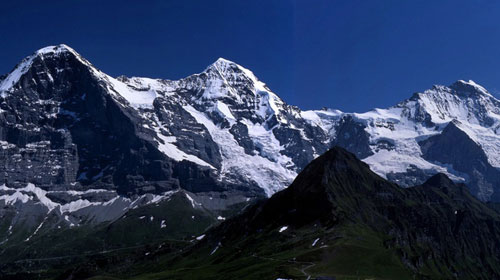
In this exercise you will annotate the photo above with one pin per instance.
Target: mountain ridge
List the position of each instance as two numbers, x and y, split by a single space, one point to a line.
83 151
90 140
140 92
337 190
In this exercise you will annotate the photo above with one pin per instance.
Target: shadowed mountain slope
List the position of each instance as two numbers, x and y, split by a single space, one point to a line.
339 219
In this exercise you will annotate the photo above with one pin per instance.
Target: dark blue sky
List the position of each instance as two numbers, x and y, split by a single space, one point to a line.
351 55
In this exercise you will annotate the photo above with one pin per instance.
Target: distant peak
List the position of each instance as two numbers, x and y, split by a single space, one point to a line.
222 60
52 52
224 65
56 50
470 82
468 88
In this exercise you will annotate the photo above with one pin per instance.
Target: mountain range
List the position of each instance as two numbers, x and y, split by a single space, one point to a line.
84 151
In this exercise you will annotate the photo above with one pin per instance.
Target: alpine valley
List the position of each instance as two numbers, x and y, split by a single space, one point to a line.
144 178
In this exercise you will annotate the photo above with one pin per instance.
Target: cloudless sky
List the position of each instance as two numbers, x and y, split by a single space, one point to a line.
350 55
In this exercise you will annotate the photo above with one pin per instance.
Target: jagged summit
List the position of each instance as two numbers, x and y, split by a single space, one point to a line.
460 88
62 51
463 100
56 49
222 61
42 59
225 64
234 74
469 88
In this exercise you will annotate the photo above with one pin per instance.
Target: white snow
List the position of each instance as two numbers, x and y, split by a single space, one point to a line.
282 229
200 237
14 76
137 99
314 242
13 198
168 147
270 176
269 146
36 230
77 205
171 150
224 110
215 249
18 194
33 193
72 192
193 202
163 196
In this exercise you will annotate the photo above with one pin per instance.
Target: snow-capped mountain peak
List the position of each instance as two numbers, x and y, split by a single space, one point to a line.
235 76
469 88
227 68
464 101
232 91
49 64
225 65
57 49
219 131
124 93
394 143
42 60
